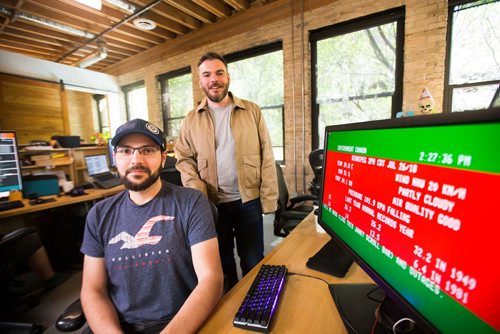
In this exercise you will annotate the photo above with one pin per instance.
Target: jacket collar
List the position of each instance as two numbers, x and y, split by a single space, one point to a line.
238 104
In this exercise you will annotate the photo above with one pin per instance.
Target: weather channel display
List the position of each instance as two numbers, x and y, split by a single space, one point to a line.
419 212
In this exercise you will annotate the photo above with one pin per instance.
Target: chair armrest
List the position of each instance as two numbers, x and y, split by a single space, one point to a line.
294 214
301 198
72 318
16 235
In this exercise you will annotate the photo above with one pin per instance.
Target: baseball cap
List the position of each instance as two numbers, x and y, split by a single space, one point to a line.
142 127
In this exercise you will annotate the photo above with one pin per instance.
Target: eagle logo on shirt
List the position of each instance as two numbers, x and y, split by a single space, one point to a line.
142 237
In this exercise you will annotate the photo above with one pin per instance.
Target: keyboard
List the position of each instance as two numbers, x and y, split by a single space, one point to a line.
7 205
260 303
106 181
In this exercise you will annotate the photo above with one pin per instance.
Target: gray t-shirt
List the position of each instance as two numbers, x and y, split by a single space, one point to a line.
227 175
146 249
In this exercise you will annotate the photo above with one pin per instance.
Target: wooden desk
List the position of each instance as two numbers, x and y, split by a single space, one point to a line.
305 304
92 194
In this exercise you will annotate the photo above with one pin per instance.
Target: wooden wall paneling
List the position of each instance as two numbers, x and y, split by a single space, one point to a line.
64 109
32 108
80 105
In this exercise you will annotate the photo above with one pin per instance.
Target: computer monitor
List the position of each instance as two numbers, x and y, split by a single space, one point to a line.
10 168
97 164
415 202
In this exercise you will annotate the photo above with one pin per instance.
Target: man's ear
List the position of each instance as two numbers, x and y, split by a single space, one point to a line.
163 158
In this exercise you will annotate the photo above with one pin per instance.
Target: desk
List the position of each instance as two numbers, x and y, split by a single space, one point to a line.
305 304
93 194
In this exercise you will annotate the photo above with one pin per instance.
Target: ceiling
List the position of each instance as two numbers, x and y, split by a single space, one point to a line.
68 32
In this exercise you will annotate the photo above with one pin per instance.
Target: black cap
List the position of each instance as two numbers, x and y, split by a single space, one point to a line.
142 127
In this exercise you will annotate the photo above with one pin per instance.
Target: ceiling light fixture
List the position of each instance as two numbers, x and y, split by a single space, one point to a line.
102 53
144 24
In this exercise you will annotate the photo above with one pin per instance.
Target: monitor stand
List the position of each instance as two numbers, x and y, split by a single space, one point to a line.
359 312
355 308
331 259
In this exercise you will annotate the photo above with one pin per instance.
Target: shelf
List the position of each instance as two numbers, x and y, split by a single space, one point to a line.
51 165
41 149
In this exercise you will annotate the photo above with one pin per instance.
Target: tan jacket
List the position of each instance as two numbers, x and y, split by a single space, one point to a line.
195 153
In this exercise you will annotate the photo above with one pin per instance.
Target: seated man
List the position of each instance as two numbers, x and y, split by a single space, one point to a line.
151 254
30 248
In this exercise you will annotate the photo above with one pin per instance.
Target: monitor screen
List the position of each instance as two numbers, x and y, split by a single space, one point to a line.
414 200
10 169
96 164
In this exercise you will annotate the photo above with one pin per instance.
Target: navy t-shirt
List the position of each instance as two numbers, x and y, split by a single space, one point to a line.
146 249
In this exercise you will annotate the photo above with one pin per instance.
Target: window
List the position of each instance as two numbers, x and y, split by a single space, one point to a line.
177 99
102 124
473 55
358 68
257 76
136 102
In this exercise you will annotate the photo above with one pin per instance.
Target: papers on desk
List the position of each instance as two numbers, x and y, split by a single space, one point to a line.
38 148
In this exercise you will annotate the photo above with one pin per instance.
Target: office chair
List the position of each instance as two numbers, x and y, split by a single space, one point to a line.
17 290
73 318
316 162
291 211
169 173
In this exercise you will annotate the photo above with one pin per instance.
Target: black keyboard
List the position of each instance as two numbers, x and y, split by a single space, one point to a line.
7 205
257 309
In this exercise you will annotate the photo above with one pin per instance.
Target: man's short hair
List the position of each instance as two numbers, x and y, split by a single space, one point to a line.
212 56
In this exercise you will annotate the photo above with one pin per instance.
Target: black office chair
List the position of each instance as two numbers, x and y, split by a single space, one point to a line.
73 318
316 162
291 211
169 173
18 289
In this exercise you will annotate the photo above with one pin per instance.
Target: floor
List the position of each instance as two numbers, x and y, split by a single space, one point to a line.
54 302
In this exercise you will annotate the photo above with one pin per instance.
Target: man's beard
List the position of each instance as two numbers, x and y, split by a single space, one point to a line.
214 97
142 185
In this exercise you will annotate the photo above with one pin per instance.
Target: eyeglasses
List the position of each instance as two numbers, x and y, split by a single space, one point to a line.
129 151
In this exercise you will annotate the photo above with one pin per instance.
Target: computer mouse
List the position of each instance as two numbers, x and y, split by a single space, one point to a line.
77 192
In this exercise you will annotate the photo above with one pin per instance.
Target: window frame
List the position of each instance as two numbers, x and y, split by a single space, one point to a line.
362 23
255 52
448 88
161 79
102 128
126 90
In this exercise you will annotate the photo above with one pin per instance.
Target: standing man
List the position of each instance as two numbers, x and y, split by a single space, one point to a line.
224 150
151 254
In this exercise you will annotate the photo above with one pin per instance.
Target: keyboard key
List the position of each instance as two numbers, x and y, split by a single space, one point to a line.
259 305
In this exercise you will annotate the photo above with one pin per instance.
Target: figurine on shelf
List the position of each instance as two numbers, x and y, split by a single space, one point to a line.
426 104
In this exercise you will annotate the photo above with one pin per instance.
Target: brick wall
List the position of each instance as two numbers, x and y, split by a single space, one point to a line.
424 56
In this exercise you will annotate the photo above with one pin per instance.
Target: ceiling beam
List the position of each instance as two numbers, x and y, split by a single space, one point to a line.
174 14
216 7
194 10
239 5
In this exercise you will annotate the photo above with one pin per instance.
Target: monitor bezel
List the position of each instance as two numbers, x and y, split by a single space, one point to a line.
490 115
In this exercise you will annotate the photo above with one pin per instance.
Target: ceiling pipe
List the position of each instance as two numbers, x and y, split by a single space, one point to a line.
123 5
48 23
102 53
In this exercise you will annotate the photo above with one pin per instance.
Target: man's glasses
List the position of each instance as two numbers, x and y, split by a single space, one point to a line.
129 151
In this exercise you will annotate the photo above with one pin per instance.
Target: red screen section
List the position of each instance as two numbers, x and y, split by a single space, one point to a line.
426 216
